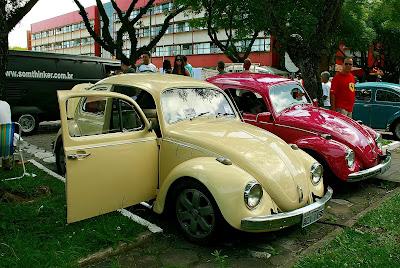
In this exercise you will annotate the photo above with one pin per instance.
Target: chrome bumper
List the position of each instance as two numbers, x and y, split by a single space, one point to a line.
284 219
376 170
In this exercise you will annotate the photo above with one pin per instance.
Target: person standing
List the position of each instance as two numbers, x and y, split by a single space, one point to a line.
246 65
5 112
126 67
187 65
221 67
343 90
167 68
326 88
5 118
146 66
179 67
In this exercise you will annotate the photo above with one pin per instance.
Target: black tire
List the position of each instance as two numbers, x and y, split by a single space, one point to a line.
196 212
29 124
396 129
60 159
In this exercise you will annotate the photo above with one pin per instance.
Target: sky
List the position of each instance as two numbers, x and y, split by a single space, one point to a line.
44 9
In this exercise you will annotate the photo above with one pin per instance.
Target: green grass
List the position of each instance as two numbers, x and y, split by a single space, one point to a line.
34 233
386 142
374 241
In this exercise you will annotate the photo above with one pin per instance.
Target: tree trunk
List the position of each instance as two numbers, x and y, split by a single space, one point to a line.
3 48
309 68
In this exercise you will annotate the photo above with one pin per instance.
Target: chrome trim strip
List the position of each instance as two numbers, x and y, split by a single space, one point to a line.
195 147
112 144
376 170
300 129
284 219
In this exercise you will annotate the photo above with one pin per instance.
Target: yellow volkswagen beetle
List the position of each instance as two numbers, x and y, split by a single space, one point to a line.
180 144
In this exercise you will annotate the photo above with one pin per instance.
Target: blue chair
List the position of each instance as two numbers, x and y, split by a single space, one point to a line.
7 148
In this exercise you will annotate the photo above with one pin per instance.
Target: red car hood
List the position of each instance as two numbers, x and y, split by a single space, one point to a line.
340 127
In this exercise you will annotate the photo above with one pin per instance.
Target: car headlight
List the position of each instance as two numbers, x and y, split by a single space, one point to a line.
350 157
379 141
317 172
253 193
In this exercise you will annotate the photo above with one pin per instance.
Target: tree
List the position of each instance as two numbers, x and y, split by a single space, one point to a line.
11 12
385 20
306 29
128 26
232 26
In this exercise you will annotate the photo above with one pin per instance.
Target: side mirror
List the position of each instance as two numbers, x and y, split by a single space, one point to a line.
265 117
315 102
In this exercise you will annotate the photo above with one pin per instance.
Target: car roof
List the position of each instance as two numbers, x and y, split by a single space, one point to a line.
254 80
154 83
379 84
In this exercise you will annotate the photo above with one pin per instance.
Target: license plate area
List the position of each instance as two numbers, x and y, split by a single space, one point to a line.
312 216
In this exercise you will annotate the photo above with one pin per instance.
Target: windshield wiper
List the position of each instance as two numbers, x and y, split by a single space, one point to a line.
224 114
200 114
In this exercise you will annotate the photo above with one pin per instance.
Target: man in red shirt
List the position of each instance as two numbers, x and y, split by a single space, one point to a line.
343 90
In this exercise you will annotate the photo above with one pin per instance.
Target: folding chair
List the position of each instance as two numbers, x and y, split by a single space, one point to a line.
7 148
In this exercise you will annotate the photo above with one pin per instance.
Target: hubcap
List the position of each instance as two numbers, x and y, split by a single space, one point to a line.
195 213
27 123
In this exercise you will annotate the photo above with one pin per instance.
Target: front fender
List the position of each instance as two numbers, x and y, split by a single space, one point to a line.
332 152
393 118
226 183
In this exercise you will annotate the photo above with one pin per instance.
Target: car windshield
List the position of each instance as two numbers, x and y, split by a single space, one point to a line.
287 95
188 103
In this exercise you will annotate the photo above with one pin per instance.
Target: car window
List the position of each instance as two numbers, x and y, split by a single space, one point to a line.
102 115
188 103
141 96
387 96
287 95
363 95
247 101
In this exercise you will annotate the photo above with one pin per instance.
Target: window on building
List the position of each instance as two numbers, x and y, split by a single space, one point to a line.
202 48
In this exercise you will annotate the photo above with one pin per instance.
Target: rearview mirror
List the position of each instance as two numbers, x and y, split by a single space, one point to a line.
265 117
315 102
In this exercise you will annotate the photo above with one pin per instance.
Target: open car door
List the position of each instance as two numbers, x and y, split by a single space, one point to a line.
111 156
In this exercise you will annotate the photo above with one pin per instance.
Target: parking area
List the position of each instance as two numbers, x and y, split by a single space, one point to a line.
237 249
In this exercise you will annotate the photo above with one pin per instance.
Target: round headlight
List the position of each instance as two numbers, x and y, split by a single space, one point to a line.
317 172
253 193
350 157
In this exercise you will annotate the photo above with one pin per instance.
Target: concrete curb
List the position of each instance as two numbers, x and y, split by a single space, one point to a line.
392 146
109 252
349 223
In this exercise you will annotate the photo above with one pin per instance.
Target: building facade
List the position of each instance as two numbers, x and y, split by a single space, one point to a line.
68 34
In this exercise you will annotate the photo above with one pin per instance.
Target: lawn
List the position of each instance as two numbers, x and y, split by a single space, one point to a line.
374 241
33 229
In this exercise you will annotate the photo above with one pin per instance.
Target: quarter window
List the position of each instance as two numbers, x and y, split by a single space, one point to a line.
387 96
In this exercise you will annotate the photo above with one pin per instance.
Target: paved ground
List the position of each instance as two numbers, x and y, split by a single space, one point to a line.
238 249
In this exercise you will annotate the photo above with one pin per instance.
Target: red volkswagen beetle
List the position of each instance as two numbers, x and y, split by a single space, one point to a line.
350 151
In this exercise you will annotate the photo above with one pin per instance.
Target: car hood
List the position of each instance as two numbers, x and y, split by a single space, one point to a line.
276 166
340 127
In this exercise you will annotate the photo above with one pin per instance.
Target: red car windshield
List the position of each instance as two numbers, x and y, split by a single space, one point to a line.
287 95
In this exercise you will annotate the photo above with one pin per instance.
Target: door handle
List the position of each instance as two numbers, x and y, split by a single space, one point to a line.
78 156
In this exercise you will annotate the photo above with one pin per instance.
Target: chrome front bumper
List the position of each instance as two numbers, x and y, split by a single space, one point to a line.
284 219
376 170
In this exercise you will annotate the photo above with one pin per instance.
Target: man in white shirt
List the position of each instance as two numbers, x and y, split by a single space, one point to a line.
326 87
146 65
5 112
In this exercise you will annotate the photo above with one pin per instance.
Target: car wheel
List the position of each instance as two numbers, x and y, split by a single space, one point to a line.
29 124
60 159
396 130
196 213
